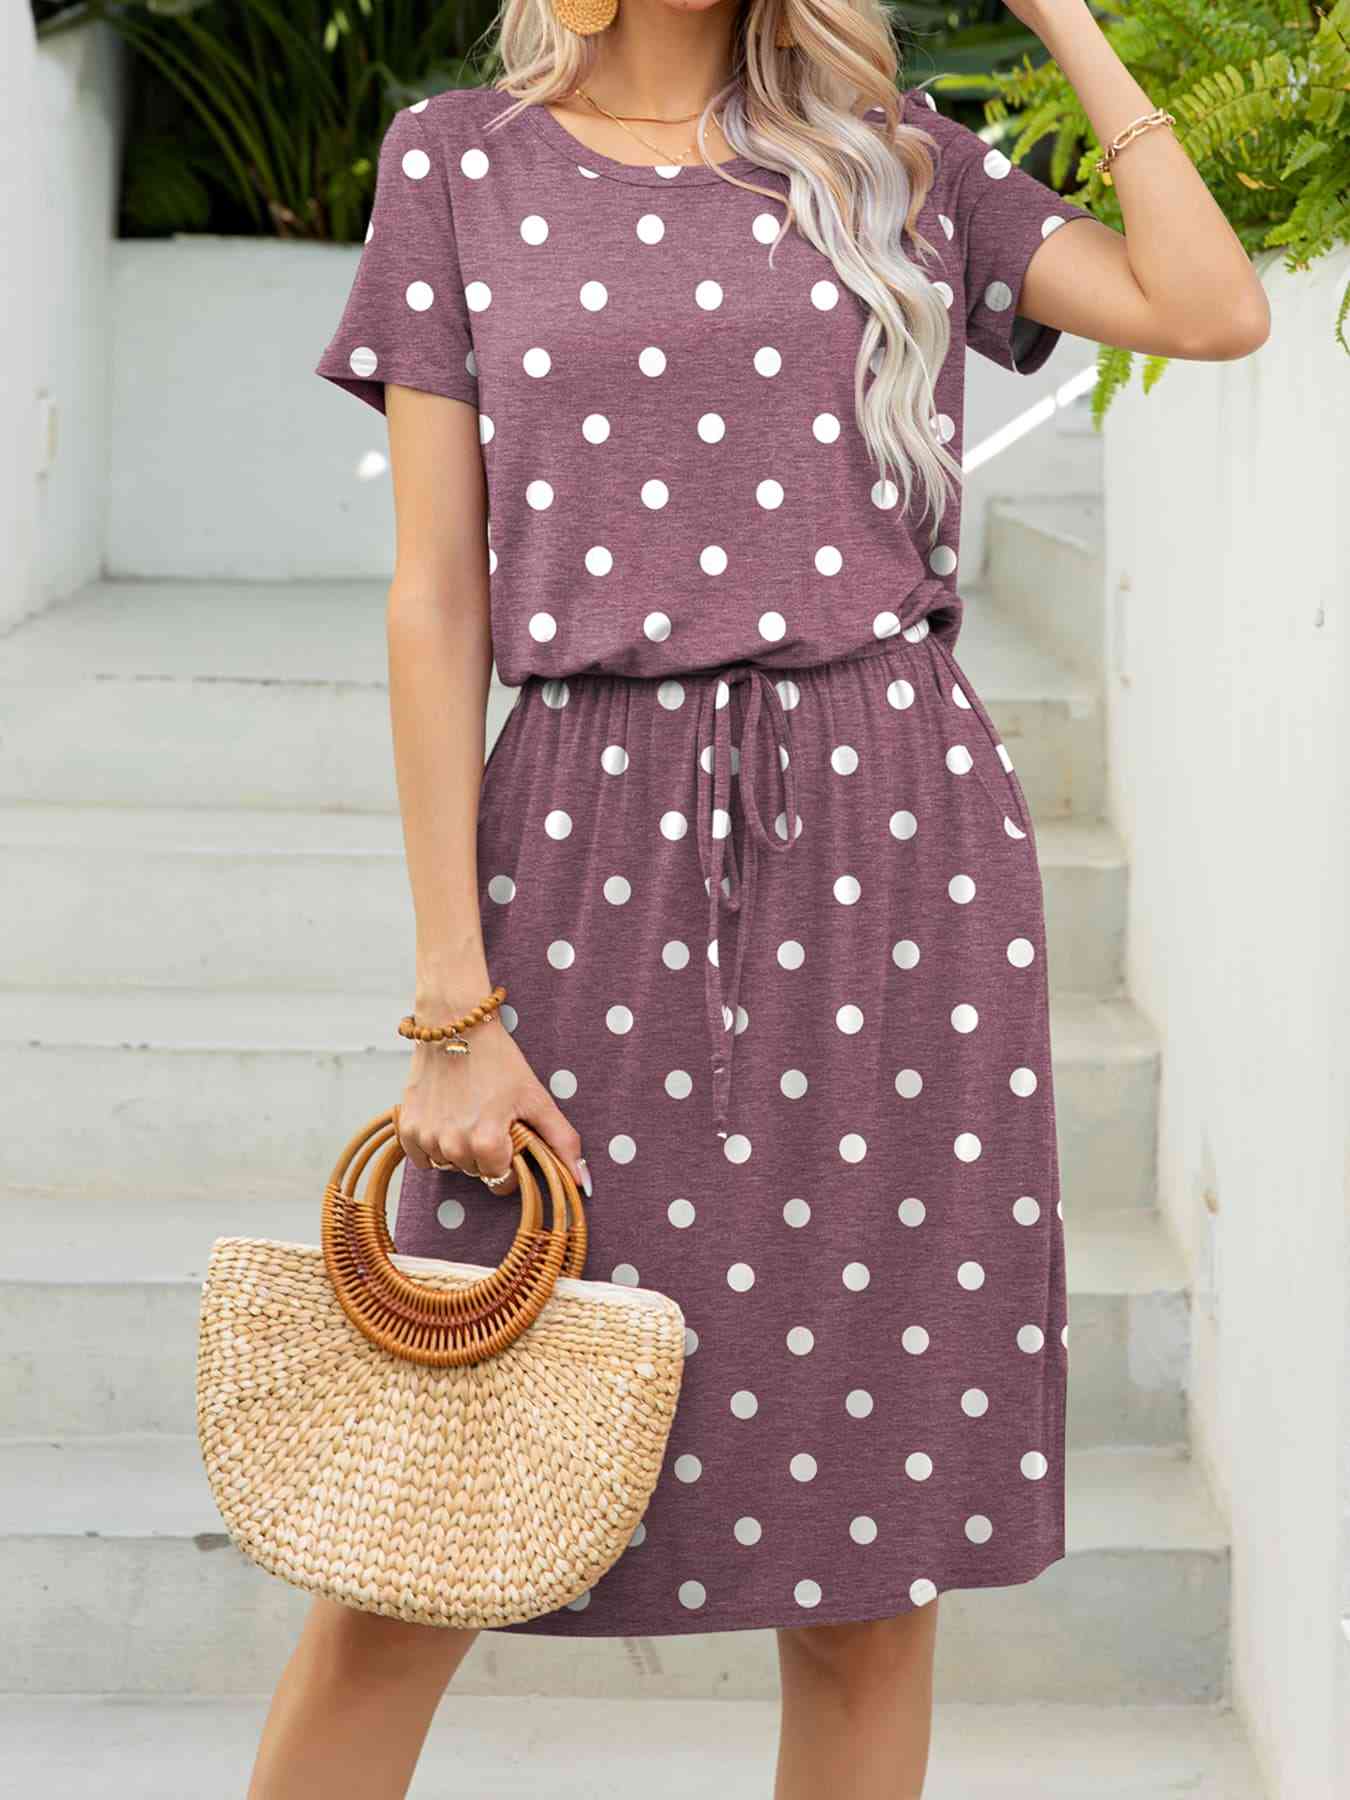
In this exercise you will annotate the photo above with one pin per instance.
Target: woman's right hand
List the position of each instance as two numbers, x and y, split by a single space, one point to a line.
458 1109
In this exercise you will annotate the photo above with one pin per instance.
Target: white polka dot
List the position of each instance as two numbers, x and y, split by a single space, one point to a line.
687 1468
651 228
652 361
667 171
681 1214
781 827
558 824
581 1602
863 1530
961 889
856 1276
964 1017
914 1339
797 1213
773 626
614 759
967 1146
593 295
909 1084
595 428
477 296
858 1403
744 1404
945 426
844 759
849 1018
736 1148
655 494
656 627
675 955
847 889
562 1084
1022 1082
971 1276
802 1466
825 428
419 295
807 1593
998 296
922 1591
918 1466
533 228
619 1019
829 560
712 559
416 164
853 1146
978 1529
885 494
670 694
900 694
418 106
1003 757
824 295
501 888
679 1084
639 1535
975 1403
769 494
801 1340
959 760
764 227
768 361
1026 1209
1030 1338
450 1214
788 693
690 1340
692 1594
561 954
363 361
947 225
903 824
599 560
474 164
944 293
625 1274
536 362
708 295
622 1148
885 624
539 495
740 1276
673 825
1052 224
1034 1465
747 1531
996 165
942 560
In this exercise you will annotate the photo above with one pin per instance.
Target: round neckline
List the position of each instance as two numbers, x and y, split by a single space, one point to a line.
594 162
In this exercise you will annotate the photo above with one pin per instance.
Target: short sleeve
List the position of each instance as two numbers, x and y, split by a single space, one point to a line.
1003 215
406 319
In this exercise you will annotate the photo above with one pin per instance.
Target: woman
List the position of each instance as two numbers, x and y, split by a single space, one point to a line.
758 877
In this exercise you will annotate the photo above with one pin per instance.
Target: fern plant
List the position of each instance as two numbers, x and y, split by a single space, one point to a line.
1261 94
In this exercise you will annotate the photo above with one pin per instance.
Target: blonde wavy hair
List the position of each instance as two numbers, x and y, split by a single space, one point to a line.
855 189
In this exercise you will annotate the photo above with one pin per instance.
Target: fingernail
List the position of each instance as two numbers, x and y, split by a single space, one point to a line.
583 1170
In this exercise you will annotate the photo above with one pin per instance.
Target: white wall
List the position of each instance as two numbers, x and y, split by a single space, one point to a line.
1228 544
79 108
231 458
18 316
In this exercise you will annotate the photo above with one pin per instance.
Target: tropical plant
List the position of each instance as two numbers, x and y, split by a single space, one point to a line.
1261 93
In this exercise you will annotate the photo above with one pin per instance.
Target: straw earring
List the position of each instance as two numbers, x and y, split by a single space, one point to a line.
585 17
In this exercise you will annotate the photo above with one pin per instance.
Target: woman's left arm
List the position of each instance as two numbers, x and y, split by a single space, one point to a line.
1178 282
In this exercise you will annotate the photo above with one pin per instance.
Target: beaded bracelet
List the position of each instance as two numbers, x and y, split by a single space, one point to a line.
1147 123
451 1037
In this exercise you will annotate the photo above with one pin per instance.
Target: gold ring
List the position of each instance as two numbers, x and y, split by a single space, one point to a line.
495 1180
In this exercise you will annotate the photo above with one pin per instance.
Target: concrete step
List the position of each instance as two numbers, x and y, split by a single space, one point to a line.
1046 567
273 694
105 1748
120 1579
98 1313
169 897
185 1092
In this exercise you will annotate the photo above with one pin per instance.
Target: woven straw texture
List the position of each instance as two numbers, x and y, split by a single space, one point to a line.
466 1496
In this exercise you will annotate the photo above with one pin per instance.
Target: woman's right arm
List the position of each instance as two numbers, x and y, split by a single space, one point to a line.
455 1109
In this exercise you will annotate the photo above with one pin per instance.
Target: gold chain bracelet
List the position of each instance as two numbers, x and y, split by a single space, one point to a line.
451 1037
1148 122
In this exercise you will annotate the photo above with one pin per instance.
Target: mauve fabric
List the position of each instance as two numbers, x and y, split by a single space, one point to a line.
753 863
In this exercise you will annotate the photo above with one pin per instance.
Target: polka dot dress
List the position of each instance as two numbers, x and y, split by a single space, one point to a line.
754 864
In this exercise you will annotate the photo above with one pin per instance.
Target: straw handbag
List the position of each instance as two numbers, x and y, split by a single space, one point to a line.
440 1442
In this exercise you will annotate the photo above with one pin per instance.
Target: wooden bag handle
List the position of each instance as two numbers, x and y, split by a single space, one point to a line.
442 1327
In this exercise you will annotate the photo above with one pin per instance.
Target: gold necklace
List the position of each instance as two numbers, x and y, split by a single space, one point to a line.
660 149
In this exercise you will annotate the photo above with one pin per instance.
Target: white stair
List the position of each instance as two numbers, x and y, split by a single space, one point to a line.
192 772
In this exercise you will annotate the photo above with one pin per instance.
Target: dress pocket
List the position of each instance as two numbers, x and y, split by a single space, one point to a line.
990 764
